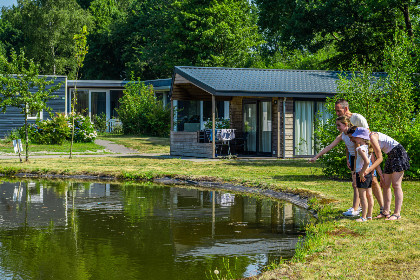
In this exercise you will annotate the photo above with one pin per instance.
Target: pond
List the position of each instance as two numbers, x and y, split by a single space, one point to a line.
67 230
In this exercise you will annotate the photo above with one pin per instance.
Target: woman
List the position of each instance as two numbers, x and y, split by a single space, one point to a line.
395 165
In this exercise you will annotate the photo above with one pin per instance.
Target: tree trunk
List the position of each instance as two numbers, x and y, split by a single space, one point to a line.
407 20
26 137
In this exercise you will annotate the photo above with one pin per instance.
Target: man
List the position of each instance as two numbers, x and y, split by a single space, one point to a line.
342 109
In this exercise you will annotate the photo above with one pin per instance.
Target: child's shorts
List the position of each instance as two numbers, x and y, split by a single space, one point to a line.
366 184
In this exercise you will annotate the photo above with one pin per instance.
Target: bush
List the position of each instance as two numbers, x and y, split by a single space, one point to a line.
387 103
141 113
51 131
83 129
99 122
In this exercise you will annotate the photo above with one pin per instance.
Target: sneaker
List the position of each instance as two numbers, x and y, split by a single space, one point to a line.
351 213
360 209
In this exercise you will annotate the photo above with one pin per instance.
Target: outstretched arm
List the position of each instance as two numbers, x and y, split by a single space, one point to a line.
327 149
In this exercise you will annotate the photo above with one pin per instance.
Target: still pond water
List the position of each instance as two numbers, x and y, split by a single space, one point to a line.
62 230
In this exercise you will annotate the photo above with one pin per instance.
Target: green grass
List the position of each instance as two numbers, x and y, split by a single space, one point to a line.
142 144
85 148
335 247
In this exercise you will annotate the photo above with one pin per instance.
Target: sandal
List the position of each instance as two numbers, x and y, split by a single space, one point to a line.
368 218
397 217
382 215
361 219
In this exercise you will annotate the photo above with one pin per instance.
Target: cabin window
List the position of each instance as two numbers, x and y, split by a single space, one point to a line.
306 113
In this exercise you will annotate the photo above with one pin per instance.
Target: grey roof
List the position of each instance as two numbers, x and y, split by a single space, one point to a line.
159 84
262 82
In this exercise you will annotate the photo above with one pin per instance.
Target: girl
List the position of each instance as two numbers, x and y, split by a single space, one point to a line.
363 179
343 124
395 165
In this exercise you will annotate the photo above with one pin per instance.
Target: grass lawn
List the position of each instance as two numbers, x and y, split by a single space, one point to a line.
85 148
142 144
335 247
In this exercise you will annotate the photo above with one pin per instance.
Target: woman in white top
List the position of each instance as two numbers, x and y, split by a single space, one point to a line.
395 165
343 124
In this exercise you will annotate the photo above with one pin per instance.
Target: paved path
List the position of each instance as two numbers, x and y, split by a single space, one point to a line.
115 148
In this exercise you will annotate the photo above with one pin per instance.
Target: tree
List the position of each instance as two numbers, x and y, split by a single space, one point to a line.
46 29
23 88
356 28
80 49
386 100
159 34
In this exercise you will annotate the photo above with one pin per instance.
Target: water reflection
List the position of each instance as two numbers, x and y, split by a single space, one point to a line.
63 230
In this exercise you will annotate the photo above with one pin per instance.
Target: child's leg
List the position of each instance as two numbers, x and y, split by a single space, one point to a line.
387 193
398 193
363 201
370 202
377 191
356 200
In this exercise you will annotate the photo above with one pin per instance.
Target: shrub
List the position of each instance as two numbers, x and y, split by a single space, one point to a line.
99 122
387 103
141 113
50 131
83 129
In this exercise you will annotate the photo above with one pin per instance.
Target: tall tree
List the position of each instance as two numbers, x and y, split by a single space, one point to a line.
160 34
46 30
356 28
23 88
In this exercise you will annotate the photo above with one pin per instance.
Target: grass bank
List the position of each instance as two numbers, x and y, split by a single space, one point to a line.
335 247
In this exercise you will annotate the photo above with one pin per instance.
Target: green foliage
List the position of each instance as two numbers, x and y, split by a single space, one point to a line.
353 29
23 88
44 29
385 100
141 113
220 123
99 122
83 129
52 131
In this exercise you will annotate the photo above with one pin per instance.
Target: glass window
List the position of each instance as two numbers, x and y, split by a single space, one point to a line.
220 110
305 114
82 102
188 115
115 96
98 106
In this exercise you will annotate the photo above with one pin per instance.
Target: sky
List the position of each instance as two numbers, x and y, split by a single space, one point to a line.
7 2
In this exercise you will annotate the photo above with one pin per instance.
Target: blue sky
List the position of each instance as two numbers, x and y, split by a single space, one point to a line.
7 2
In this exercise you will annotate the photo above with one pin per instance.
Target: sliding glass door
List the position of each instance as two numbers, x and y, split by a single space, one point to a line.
257 116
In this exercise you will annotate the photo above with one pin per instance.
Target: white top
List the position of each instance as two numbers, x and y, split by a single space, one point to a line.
359 159
349 144
386 143
358 120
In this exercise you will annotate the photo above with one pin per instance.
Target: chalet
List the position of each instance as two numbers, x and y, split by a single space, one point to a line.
271 111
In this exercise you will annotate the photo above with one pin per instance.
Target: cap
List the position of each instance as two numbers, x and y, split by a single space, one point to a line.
362 132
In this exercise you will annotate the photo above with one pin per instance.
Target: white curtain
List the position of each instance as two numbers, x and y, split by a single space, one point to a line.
304 128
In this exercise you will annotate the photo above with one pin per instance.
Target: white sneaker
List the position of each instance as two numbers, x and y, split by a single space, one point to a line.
351 213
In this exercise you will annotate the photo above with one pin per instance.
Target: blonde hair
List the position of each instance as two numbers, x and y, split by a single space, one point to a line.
344 120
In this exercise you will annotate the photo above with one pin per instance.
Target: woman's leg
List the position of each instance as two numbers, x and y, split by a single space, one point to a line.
387 193
398 193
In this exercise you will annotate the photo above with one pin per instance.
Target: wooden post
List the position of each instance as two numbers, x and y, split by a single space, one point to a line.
213 118
172 115
278 127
